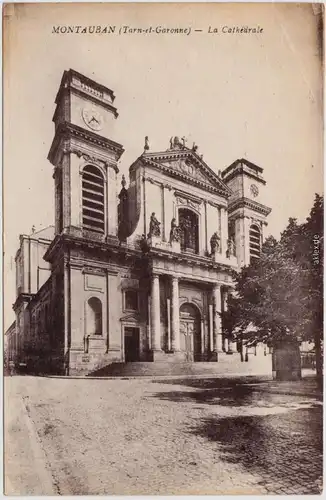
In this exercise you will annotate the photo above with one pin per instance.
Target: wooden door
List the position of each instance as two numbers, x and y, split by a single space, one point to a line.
131 344
187 339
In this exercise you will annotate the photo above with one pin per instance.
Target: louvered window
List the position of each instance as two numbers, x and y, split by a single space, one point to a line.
254 243
93 199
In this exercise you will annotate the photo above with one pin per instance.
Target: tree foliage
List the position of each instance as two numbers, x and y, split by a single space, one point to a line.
281 294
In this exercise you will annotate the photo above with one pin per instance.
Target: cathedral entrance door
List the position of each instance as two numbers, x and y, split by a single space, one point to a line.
190 333
187 339
131 344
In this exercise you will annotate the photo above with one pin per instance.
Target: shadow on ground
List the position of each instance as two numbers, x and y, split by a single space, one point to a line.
237 391
283 448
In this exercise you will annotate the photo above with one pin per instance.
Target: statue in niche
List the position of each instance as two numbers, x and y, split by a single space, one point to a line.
175 231
215 243
154 226
231 248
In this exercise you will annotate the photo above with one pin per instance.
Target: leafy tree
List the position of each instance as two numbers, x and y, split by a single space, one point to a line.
280 295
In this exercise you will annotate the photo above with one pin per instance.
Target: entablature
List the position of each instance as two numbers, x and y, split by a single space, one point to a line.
69 136
251 205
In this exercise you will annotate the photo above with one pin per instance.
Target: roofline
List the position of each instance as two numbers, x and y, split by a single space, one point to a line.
89 81
171 154
239 161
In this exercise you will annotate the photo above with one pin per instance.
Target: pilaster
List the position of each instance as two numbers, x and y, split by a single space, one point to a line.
175 314
217 327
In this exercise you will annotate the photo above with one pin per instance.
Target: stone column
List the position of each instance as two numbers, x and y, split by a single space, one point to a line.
168 308
155 314
175 315
149 326
217 325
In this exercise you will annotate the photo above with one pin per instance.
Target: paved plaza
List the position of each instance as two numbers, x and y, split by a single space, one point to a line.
245 435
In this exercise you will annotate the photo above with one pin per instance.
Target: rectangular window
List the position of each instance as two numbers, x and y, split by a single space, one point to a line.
131 300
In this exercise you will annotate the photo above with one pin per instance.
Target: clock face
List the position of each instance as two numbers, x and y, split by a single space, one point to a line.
254 190
93 118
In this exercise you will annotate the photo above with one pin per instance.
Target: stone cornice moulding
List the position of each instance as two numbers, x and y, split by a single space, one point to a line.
95 271
158 183
74 241
187 201
66 131
132 317
184 195
252 205
191 260
186 153
188 179
153 181
73 80
216 205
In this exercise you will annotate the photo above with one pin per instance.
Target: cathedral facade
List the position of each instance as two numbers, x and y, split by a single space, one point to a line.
134 272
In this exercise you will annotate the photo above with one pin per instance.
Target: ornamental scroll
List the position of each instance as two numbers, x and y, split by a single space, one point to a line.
187 202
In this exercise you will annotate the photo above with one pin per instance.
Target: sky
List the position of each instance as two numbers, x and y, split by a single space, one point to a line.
257 96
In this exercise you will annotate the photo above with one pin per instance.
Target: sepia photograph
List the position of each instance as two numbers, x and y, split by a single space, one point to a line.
163 248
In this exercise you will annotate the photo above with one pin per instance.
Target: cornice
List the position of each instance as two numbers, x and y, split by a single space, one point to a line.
112 247
252 205
183 194
241 161
94 270
66 131
127 253
239 170
190 259
72 80
184 177
186 153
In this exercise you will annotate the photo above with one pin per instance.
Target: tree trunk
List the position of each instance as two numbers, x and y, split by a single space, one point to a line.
319 359
241 350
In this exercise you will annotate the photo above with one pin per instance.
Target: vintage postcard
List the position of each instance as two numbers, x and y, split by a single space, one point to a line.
163 248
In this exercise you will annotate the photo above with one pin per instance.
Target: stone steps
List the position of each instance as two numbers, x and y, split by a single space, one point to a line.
225 365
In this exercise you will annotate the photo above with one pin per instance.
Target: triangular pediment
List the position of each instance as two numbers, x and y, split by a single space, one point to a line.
131 317
189 166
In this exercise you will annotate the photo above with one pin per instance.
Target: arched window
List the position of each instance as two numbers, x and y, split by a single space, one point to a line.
93 199
254 242
188 223
94 317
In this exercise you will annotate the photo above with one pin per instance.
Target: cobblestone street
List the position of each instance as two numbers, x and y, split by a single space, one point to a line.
244 435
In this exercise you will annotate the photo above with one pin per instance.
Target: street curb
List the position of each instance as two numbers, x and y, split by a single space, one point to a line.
158 377
46 479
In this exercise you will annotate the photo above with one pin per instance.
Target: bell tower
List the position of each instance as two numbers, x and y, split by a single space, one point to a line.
246 212
85 158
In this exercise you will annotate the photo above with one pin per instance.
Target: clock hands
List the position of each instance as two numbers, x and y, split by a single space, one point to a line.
93 119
